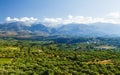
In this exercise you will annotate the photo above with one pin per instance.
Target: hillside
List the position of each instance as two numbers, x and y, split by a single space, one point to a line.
82 30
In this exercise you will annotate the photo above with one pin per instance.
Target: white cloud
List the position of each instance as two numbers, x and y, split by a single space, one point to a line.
71 19
28 20
113 17
53 21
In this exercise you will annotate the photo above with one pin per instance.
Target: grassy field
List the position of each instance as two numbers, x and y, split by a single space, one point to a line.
5 60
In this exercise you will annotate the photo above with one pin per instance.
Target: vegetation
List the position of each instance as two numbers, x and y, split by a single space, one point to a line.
31 57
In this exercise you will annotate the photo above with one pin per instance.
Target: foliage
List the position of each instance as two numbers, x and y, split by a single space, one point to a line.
28 57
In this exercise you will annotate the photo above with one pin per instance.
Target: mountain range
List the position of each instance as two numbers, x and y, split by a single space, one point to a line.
38 29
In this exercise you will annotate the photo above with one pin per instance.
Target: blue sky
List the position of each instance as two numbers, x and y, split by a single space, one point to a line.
56 8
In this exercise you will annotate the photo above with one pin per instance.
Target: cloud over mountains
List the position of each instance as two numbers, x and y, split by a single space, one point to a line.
28 20
112 17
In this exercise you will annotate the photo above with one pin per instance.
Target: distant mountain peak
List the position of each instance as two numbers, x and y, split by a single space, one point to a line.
37 29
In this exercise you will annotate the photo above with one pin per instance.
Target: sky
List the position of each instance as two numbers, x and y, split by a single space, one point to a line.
60 10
